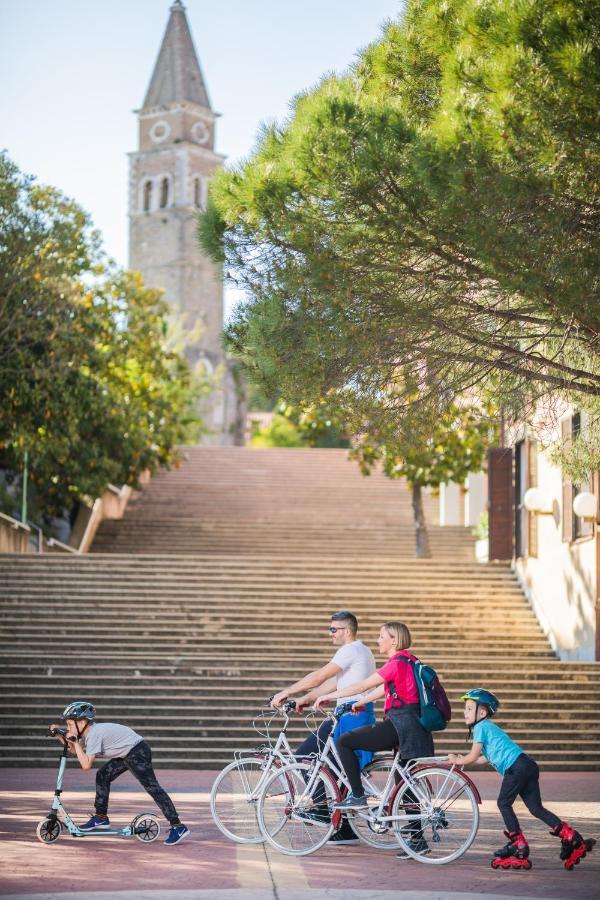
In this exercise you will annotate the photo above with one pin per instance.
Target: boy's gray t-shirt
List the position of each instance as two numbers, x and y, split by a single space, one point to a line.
110 739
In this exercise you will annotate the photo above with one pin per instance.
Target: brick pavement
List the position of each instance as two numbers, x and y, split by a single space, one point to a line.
207 866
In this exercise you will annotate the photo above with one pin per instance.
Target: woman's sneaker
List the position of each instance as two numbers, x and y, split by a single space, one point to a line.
176 834
352 802
96 823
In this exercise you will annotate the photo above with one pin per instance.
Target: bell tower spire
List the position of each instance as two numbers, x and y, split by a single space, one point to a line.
169 177
177 74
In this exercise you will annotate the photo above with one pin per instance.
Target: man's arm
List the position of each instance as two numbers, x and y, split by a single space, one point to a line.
308 683
309 699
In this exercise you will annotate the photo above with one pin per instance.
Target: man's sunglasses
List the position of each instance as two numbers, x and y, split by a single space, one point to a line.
332 629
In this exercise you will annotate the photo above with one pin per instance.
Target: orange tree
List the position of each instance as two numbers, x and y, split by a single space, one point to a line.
89 385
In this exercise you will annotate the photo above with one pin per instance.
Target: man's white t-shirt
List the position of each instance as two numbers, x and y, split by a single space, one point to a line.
356 662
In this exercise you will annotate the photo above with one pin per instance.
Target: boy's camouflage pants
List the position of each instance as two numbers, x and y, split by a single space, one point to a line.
139 762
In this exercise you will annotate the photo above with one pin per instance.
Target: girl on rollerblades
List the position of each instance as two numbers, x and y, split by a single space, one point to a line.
521 778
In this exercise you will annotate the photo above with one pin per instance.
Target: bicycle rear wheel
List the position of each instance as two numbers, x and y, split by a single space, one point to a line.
234 798
440 815
294 819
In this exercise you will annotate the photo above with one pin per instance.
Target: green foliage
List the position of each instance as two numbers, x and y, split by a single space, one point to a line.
579 459
280 433
89 386
481 531
455 446
316 426
429 219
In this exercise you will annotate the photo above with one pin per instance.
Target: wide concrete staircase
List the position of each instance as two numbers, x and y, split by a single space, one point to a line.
270 502
216 588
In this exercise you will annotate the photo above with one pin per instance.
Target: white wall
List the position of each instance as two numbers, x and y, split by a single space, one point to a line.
463 505
561 582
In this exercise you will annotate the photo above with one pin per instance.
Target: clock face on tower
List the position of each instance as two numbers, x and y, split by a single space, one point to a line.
160 131
200 133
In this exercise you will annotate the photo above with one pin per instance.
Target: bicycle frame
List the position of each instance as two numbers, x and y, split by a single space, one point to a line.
328 762
280 754
328 756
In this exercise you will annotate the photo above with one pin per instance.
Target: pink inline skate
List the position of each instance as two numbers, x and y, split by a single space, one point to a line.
514 855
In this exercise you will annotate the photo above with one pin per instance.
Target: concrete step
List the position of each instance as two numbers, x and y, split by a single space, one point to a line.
223 554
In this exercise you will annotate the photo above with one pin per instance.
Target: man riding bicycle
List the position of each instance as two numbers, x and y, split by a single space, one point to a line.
351 663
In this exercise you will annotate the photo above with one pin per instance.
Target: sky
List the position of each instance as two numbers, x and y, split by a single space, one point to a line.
73 71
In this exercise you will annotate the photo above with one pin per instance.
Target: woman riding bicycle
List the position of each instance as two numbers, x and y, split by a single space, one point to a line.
400 728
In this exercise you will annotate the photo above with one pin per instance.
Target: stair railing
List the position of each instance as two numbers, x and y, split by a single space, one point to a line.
40 539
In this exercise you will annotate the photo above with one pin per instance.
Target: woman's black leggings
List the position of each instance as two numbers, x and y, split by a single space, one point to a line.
523 778
382 736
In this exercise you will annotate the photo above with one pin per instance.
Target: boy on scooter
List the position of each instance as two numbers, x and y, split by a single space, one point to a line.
126 751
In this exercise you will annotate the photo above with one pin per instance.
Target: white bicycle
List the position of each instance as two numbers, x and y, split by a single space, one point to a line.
236 791
428 808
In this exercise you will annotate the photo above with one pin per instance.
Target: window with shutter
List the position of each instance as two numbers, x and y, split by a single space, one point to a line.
500 502
566 427
532 480
520 488
581 527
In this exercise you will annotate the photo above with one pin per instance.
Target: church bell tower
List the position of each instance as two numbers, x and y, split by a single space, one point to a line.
168 184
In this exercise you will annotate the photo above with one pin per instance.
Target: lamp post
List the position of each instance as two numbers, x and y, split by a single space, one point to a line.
24 488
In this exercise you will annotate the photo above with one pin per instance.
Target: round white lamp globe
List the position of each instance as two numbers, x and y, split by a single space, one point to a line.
585 505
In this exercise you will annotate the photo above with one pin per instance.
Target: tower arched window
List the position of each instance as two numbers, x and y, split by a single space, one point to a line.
147 196
197 193
164 193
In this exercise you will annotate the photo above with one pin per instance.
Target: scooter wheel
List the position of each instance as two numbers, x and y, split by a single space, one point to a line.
146 828
48 831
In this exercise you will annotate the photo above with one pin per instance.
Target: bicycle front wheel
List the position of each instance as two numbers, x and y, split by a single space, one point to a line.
294 818
438 815
234 798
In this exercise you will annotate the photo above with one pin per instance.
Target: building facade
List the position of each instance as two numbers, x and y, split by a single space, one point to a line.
555 551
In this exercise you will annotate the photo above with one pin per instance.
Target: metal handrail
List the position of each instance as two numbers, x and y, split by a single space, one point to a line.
40 535
29 526
53 542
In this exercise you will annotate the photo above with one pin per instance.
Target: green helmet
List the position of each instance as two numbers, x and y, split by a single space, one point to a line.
79 709
484 698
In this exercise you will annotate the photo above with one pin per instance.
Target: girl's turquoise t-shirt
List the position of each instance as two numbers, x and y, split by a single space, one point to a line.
497 747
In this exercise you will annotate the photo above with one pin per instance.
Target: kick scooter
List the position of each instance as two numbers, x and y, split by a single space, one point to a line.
145 827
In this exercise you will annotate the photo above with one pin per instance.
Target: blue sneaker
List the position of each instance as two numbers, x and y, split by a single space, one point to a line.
96 823
176 834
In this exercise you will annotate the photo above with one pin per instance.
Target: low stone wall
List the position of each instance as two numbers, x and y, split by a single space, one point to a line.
13 539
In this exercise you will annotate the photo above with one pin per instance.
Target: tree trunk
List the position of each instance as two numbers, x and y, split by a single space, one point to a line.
422 539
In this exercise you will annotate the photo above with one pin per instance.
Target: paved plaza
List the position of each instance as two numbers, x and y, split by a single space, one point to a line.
208 866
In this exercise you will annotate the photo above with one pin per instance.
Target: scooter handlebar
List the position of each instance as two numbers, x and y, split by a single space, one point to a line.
54 732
